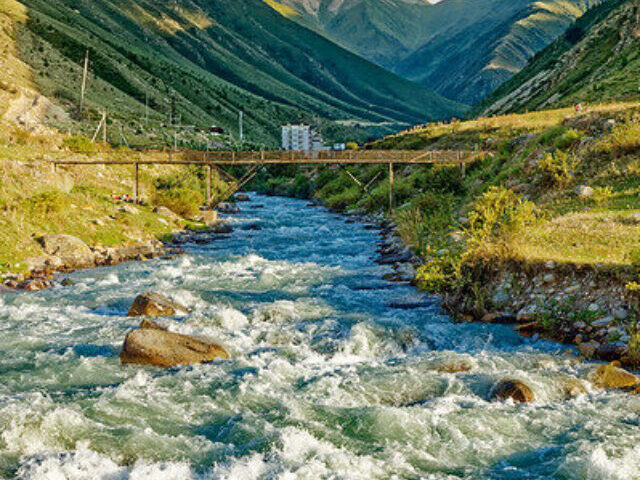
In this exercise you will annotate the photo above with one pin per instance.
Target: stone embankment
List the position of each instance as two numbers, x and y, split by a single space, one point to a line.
576 305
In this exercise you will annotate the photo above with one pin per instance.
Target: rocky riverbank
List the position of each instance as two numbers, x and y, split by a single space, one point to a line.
580 306
63 253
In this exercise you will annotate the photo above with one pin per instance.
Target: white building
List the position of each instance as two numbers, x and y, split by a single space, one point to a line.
301 137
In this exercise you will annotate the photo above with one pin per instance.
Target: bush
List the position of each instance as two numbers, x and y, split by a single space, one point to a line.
79 144
569 139
602 194
556 168
498 212
49 202
624 139
183 201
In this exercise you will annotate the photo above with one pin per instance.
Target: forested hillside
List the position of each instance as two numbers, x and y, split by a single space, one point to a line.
201 62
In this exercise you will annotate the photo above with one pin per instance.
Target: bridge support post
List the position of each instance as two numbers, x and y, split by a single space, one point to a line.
136 184
209 175
390 187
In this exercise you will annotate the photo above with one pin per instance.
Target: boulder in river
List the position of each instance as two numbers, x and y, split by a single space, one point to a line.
71 250
518 391
226 207
152 304
221 228
152 344
242 197
613 376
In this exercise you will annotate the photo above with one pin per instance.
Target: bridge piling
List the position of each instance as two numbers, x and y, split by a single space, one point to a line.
390 187
136 184
209 175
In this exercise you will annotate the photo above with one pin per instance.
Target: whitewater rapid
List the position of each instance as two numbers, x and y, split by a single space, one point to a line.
328 378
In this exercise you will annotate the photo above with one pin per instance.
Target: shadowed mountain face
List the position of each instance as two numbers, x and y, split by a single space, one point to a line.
596 60
213 59
463 49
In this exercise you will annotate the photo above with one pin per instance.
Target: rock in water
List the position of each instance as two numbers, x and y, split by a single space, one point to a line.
227 207
152 304
514 389
153 345
613 376
221 228
73 251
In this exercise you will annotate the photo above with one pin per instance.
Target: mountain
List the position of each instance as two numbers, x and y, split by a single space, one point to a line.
203 61
462 49
596 60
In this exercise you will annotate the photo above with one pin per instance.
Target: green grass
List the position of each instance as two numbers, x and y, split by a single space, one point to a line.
76 200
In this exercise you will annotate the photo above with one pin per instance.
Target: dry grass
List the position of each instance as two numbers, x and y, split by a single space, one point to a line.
581 238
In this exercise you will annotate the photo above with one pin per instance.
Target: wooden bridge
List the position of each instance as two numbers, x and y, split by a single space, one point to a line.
215 160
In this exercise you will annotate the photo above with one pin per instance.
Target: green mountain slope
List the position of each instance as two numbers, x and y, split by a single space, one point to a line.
468 62
203 61
598 59
463 49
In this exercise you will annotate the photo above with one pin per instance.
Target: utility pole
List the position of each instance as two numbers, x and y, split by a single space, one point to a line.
84 81
104 128
146 108
240 125
175 141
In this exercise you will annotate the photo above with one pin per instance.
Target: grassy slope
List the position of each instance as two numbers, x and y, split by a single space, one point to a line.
34 200
603 158
596 60
215 58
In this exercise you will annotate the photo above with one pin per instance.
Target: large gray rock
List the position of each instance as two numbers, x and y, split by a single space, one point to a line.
584 192
73 252
154 345
152 304
166 213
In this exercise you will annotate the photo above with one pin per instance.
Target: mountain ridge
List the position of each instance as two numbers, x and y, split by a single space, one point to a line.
596 60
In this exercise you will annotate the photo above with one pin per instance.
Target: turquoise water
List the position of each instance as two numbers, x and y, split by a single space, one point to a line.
327 380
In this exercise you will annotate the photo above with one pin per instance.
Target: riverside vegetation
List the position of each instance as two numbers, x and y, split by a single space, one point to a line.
544 233
35 200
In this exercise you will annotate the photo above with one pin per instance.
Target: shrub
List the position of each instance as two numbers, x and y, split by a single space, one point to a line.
569 139
49 202
439 272
602 194
352 146
556 168
183 201
623 139
498 212
79 144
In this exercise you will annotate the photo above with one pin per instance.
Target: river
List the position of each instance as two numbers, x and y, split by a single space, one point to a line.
329 378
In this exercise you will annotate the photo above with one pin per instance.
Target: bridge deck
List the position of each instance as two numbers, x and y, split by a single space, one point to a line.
255 160
445 157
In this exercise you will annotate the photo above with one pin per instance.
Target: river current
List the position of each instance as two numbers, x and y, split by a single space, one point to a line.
331 377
